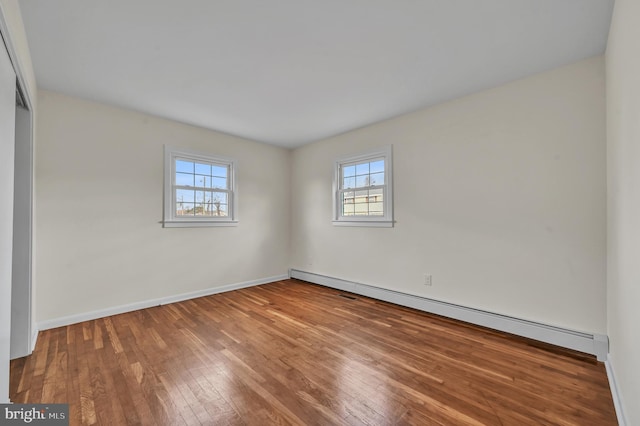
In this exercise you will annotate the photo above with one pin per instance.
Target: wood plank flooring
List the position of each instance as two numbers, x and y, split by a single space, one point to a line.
290 352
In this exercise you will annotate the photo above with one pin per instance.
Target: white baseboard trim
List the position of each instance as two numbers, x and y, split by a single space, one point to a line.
615 394
88 316
595 344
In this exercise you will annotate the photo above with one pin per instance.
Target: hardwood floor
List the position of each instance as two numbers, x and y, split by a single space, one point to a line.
296 353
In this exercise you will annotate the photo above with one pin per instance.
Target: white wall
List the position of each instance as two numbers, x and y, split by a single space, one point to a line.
500 195
99 174
623 203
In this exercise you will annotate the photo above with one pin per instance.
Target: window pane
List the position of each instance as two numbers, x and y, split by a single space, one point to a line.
377 166
184 166
220 171
349 182
376 209
184 209
377 179
202 196
221 210
362 203
219 182
220 197
362 169
349 171
208 209
361 196
347 197
203 169
361 209
375 195
185 195
362 181
203 181
183 179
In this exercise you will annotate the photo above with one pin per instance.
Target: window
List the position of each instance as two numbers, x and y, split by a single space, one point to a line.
199 190
363 190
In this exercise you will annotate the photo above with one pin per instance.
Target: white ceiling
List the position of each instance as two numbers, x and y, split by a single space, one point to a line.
288 72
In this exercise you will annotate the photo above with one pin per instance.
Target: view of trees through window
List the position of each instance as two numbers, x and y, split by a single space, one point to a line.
202 189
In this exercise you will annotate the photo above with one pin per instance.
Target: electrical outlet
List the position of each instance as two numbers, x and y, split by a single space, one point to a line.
428 279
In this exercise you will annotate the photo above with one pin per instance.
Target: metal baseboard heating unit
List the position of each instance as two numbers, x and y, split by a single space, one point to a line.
594 344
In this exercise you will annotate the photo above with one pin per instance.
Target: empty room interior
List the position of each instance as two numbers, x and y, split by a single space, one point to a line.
337 212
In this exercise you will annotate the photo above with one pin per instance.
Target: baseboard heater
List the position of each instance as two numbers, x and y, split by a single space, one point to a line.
594 344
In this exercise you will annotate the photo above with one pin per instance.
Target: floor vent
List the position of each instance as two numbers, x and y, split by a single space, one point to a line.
346 296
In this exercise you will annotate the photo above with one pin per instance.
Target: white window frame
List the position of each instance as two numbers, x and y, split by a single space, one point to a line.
387 190
171 220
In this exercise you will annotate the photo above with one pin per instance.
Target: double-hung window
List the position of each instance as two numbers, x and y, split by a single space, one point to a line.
199 190
363 190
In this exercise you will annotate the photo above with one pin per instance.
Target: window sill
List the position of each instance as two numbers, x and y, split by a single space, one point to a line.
197 223
365 223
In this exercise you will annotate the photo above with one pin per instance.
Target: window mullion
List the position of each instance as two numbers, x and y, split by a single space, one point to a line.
195 188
